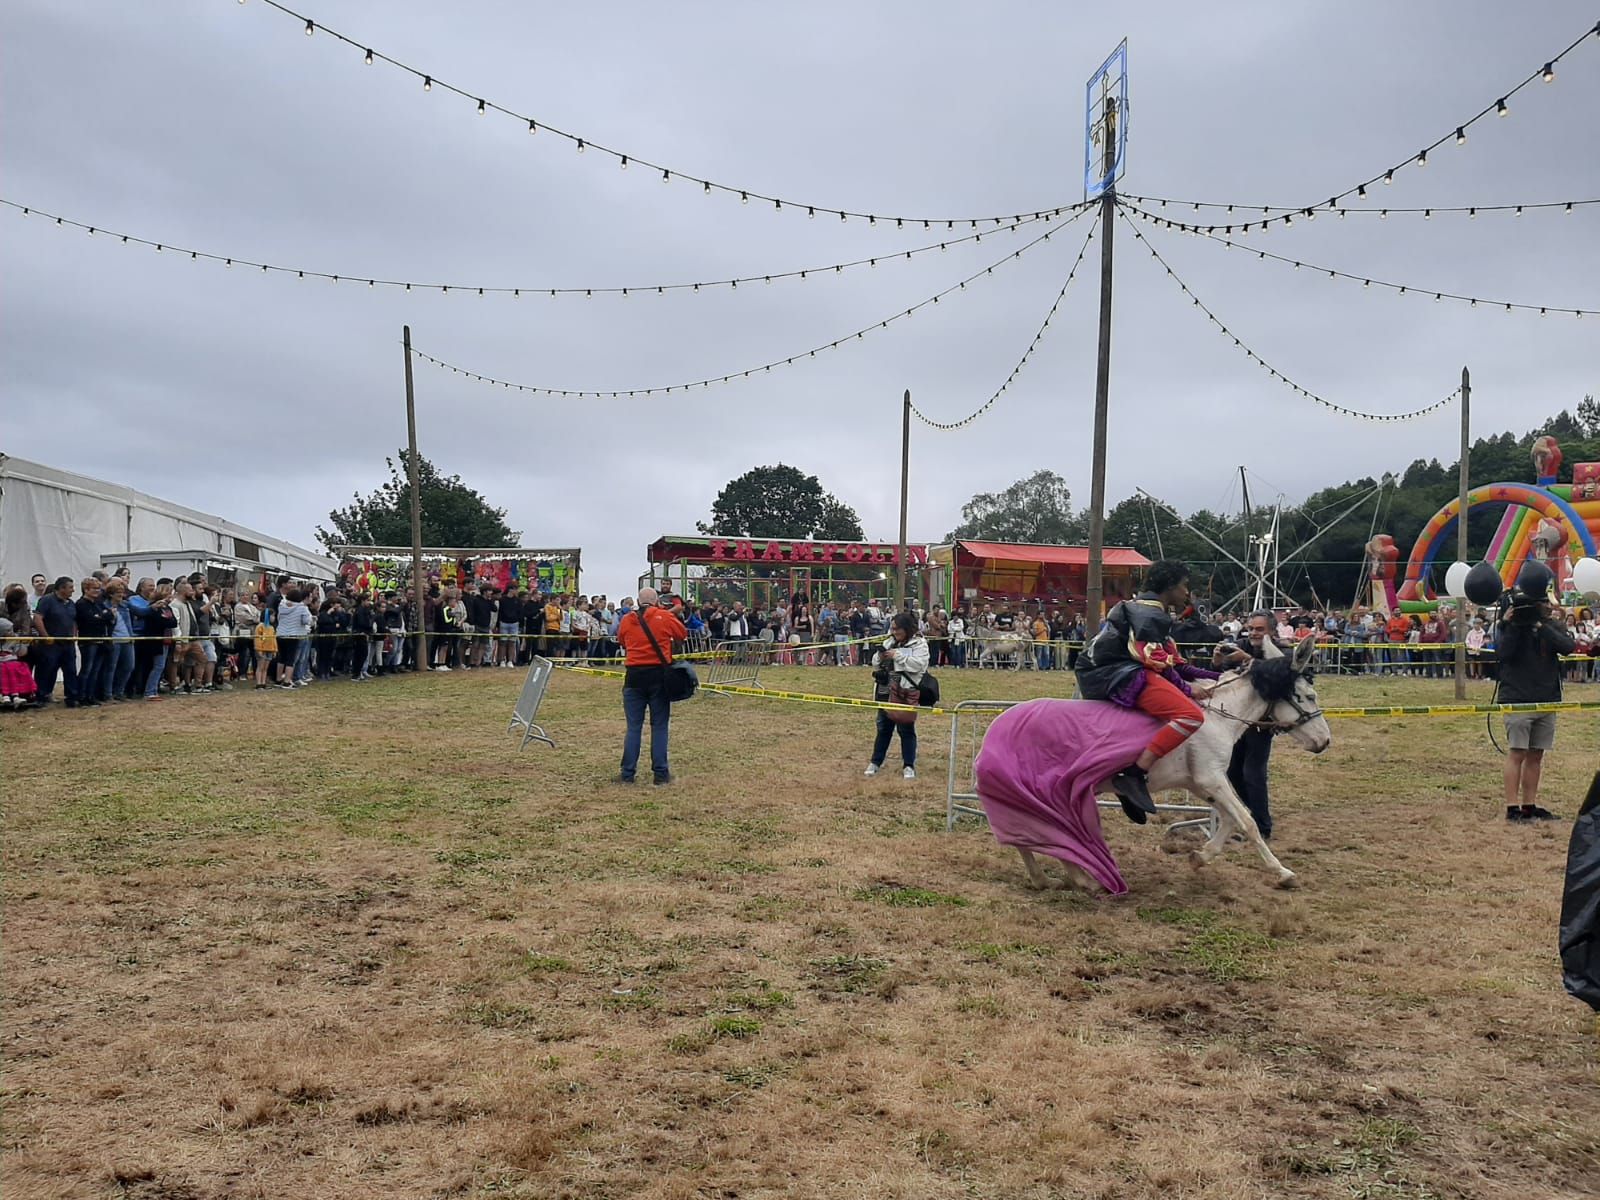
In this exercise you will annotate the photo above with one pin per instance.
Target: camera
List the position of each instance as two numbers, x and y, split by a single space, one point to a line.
1525 602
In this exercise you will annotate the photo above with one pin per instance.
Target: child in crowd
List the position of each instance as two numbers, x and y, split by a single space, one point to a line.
17 686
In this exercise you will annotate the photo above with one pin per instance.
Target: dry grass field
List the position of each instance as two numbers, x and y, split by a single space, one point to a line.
350 943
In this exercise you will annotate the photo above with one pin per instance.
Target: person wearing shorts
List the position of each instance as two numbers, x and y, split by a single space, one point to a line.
1530 641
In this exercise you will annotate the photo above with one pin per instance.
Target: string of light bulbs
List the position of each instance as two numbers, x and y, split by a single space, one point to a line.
1280 210
1404 289
1261 362
763 368
625 160
1021 362
1500 107
461 289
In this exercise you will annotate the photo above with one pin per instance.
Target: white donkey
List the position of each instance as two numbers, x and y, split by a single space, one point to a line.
1275 694
995 644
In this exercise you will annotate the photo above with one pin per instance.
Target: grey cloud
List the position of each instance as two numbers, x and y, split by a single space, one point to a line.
223 127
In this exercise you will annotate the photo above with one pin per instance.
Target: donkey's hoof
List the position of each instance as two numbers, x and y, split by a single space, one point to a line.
1197 859
1288 880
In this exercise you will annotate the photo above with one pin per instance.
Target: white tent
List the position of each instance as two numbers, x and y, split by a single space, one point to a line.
59 523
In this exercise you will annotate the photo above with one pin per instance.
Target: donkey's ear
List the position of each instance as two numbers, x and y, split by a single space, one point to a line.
1269 648
1304 652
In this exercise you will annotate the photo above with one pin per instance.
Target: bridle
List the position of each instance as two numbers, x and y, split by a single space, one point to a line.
1267 726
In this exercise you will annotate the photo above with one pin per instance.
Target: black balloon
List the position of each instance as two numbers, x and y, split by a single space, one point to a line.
1483 584
1535 579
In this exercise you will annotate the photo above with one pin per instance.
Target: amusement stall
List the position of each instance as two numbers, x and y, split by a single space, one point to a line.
969 573
763 572
388 568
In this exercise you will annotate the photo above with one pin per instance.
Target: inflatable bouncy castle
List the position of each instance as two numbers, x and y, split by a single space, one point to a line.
1550 522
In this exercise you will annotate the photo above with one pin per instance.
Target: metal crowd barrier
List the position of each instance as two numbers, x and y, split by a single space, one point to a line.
961 788
737 664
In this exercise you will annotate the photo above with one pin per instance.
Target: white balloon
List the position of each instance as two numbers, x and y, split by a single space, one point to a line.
1586 575
1455 579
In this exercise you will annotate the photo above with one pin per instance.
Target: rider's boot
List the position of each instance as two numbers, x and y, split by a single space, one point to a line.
1133 790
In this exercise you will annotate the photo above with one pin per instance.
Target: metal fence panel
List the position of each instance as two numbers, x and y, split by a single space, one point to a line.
528 701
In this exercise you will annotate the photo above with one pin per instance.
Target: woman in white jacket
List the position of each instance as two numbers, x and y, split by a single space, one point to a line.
904 658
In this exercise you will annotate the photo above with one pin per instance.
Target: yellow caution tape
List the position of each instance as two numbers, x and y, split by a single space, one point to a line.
1403 710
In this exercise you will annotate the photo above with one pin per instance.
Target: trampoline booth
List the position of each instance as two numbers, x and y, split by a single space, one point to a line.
763 572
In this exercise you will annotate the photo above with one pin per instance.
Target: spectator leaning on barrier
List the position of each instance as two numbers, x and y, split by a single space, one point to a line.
120 675
1530 639
96 622
55 619
293 627
644 687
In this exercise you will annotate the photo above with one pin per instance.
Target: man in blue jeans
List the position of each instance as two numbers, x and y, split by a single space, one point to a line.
55 623
644 687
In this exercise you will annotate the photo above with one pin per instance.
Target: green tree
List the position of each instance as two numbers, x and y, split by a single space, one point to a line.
1589 416
781 502
453 515
1037 510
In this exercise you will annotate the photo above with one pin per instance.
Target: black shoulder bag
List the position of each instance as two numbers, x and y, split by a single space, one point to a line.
681 680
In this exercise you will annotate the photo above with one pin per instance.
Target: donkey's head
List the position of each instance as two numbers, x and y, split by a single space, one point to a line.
1285 682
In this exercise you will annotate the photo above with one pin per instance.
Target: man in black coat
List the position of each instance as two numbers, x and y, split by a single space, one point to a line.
1247 771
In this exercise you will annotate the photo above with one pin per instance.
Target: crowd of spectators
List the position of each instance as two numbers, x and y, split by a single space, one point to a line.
108 640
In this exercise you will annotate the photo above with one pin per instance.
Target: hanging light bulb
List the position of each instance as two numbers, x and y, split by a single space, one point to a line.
1422 158
1388 176
1549 72
427 83
481 109
1500 108
744 197
532 126
367 58
1362 191
811 212
1461 135
311 27
580 146
666 176
624 162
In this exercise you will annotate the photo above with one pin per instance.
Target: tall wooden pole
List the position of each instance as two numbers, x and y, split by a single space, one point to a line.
1463 486
905 479
418 575
1094 599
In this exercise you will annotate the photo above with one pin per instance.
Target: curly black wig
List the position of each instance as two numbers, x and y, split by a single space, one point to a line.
1273 678
1165 575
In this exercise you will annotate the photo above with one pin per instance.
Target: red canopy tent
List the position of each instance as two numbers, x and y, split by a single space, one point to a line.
1058 575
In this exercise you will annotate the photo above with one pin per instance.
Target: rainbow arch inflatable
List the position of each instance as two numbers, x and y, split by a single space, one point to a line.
1530 503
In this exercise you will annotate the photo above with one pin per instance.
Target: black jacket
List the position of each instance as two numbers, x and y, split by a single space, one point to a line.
95 618
1527 661
479 611
1107 662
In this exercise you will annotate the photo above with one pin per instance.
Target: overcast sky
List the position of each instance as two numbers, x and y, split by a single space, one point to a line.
269 400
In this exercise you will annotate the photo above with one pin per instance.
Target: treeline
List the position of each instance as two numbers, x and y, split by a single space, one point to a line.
1329 573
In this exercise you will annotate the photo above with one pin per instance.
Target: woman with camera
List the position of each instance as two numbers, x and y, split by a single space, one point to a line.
897 674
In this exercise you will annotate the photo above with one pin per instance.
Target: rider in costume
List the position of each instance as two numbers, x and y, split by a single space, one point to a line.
1133 662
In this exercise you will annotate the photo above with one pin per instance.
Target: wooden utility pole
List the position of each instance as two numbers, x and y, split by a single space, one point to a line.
1094 600
905 479
1463 486
419 577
